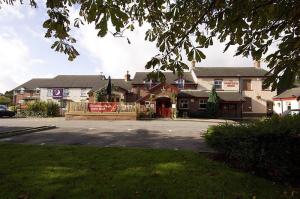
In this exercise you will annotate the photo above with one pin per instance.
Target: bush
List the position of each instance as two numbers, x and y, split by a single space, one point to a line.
269 147
41 109
52 109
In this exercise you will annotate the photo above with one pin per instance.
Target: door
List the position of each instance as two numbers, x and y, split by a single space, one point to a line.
270 105
163 107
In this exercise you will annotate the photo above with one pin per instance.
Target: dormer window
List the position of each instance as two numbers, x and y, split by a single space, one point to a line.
180 83
37 91
22 90
148 84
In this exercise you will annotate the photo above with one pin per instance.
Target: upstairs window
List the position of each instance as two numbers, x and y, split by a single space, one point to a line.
66 92
218 83
180 83
246 84
22 90
83 92
202 104
49 92
184 104
148 84
37 91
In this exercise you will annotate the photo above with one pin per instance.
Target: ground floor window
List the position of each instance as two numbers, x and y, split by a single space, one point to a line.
183 104
202 104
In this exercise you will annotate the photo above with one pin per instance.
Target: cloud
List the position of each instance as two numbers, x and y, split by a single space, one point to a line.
15 59
114 56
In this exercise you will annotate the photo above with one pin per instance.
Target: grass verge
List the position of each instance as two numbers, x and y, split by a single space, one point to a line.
28 171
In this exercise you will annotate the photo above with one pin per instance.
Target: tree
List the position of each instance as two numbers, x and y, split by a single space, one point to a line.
109 89
252 26
213 103
4 100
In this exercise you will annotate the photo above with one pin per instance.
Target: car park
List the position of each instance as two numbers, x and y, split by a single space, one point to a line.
4 112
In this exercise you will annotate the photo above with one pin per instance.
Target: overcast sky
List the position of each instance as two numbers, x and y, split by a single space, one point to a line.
26 54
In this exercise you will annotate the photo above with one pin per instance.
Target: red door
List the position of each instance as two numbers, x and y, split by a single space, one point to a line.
163 108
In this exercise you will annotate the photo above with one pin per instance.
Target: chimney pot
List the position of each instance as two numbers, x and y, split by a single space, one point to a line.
257 63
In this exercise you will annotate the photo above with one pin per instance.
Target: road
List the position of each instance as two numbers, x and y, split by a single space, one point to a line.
148 134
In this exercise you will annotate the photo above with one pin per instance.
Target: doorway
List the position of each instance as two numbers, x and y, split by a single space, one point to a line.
163 107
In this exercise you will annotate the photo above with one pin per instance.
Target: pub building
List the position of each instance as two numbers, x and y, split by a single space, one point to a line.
239 89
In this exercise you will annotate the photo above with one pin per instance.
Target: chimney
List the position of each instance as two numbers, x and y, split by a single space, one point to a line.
193 64
257 63
127 76
102 77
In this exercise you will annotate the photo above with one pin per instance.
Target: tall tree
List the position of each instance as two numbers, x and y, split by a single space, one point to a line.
109 89
213 103
252 26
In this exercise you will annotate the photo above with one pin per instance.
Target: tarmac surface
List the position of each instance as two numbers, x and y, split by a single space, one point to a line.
170 134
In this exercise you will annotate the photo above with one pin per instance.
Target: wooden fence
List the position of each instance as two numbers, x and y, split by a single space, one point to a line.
85 107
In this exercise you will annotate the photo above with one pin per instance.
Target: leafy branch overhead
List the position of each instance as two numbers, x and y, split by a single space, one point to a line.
259 29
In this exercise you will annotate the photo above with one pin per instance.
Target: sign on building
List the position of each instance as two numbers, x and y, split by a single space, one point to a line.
58 93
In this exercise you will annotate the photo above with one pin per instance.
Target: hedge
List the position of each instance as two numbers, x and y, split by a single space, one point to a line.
269 147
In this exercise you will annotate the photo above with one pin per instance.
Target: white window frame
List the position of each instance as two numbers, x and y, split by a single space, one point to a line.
180 83
49 92
66 92
83 92
202 101
183 101
219 83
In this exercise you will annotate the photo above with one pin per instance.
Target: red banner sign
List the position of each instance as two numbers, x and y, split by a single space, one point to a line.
103 107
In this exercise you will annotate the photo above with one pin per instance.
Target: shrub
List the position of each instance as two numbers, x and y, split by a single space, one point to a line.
36 109
41 109
52 109
268 147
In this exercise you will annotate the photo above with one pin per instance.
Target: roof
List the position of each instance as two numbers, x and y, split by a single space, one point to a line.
229 72
74 81
116 82
33 84
291 93
140 77
225 96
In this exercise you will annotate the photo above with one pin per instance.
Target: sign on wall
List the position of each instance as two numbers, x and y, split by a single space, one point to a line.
103 107
58 93
231 83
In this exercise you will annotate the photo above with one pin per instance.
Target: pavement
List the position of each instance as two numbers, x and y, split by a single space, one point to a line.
178 134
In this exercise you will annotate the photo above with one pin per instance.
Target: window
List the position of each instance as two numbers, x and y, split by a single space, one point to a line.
279 104
246 84
202 104
148 84
218 84
180 83
66 92
247 106
37 91
22 91
49 92
289 105
83 92
183 104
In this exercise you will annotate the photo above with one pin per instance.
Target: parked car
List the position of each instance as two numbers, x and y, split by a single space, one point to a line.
5 112
291 112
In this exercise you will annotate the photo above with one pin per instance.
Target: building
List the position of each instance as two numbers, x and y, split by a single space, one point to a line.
289 99
239 89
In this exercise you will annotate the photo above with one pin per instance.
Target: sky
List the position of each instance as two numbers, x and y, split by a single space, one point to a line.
26 54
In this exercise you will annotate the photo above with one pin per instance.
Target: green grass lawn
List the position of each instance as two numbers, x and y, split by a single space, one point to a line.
62 172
